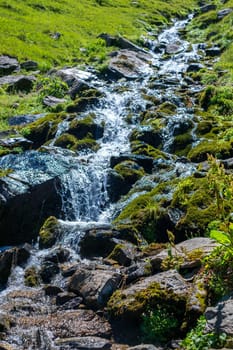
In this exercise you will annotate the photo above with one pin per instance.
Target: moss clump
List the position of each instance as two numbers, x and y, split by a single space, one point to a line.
182 144
130 171
218 148
84 127
65 141
5 172
142 148
86 143
166 108
43 129
49 232
31 278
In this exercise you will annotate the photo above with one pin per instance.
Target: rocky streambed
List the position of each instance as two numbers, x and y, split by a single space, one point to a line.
87 206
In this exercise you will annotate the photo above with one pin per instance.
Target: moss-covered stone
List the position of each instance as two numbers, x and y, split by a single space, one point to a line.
166 108
218 148
142 148
43 129
130 171
80 128
49 232
86 143
88 98
66 141
182 144
31 278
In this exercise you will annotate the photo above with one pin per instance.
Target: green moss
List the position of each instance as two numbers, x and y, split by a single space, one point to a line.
130 171
218 148
86 143
31 278
66 141
43 129
5 172
166 108
49 232
142 148
182 144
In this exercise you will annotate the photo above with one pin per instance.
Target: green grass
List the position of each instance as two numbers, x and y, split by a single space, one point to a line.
28 27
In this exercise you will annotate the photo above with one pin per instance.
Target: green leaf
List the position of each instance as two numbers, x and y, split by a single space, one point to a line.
220 236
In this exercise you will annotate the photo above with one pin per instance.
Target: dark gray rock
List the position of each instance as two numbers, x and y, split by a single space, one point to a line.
17 141
48 270
24 119
223 13
207 8
120 42
8 65
64 297
97 243
213 51
128 64
85 343
29 194
143 161
124 253
148 135
195 67
22 83
51 290
220 317
29 65
95 286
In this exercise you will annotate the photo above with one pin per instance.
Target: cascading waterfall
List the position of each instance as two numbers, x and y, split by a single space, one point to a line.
85 202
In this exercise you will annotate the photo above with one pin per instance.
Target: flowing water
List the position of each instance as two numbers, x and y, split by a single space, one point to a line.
85 202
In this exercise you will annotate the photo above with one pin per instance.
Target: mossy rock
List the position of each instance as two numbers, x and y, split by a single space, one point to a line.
43 129
130 171
142 148
31 277
218 148
167 108
183 143
88 97
66 141
49 232
80 128
86 143
147 134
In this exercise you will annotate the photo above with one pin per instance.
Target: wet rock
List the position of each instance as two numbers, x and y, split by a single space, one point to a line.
80 128
223 13
14 142
190 253
145 347
128 64
173 48
24 119
48 270
51 101
143 161
5 322
51 290
73 75
8 65
148 135
29 195
59 254
10 258
120 42
97 243
124 253
122 177
207 8
213 51
29 65
220 317
85 343
22 83
95 286
195 67
6 346
64 297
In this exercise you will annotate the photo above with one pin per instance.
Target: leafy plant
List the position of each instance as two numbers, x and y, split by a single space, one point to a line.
198 339
158 325
52 87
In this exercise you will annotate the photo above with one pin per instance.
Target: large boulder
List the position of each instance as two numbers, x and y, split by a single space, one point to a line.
95 286
29 194
8 65
128 64
22 83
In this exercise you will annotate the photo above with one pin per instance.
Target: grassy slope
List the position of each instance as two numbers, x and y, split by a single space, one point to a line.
27 26
27 29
